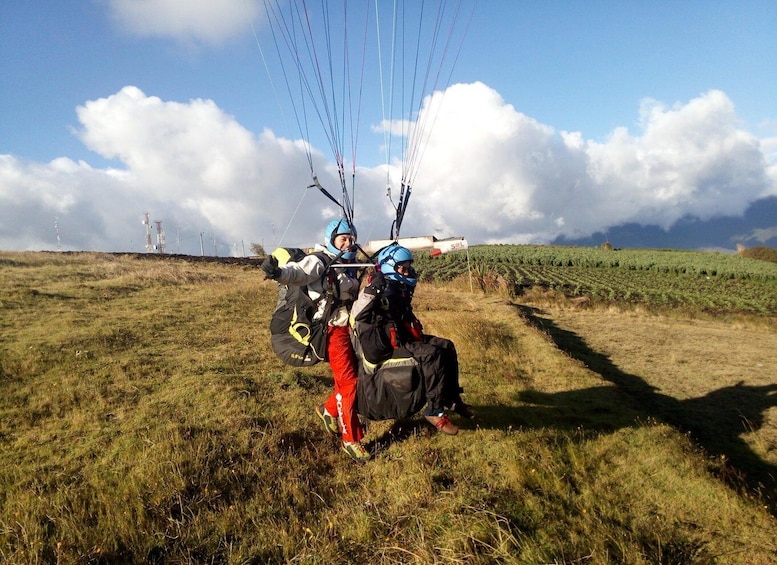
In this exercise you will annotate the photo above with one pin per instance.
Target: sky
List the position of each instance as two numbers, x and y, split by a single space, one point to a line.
549 121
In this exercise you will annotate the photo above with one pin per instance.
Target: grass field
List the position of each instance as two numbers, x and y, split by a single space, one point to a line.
144 419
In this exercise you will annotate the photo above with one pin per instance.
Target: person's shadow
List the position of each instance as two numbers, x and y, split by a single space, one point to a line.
716 421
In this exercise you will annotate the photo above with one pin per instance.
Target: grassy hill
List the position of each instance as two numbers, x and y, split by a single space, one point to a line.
144 419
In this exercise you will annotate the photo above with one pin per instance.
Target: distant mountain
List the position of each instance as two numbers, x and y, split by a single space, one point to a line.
758 226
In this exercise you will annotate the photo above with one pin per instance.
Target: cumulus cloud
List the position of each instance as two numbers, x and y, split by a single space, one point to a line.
36 199
489 172
189 165
501 176
187 20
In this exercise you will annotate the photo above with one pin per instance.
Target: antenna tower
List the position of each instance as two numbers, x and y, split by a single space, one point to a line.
149 244
56 228
160 236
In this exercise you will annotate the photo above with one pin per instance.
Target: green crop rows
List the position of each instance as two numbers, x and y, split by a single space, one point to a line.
713 282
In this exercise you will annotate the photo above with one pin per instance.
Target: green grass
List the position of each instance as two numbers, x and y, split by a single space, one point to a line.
144 419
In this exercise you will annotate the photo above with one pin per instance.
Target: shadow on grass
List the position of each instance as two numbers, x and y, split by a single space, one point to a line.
715 421
399 431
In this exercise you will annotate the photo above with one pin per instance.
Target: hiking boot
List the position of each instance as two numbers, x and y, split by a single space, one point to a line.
443 424
356 451
330 422
463 410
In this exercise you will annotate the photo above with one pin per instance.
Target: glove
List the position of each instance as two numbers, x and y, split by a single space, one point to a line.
271 268
378 279
376 284
330 284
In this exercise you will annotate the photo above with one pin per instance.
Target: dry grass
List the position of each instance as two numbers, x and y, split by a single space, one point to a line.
143 418
712 378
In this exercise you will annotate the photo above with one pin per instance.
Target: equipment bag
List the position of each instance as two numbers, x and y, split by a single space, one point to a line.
391 389
394 391
297 339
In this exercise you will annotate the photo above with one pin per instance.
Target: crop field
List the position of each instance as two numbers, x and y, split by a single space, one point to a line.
710 282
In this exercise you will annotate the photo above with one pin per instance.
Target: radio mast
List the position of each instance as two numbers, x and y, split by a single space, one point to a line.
160 236
56 228
149 244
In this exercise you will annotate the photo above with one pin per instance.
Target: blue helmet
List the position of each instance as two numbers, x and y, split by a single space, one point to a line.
389 256
335 228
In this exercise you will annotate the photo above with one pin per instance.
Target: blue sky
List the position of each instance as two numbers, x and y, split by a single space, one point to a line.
584 66
566 118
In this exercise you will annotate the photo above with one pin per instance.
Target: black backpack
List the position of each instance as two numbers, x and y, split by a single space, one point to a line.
296 338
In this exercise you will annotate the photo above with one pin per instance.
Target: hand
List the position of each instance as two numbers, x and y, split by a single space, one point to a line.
271 268
377 282
329 283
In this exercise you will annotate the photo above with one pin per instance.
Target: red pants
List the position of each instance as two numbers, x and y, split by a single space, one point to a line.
342 402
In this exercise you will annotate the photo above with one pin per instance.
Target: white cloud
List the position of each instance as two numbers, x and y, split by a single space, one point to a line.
187 20
769 148
489 173
34 196
206 146
494 174
189 164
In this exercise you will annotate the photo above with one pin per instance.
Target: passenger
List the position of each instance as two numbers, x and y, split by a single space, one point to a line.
402 367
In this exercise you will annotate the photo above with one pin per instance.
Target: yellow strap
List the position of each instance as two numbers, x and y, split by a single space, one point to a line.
371 368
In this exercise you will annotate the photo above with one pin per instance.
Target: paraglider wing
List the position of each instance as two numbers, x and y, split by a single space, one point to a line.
328 59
